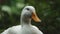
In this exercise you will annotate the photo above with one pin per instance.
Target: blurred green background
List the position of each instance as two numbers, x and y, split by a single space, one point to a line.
47 10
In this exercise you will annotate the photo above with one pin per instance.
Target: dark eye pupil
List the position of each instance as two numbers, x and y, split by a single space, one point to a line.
27 8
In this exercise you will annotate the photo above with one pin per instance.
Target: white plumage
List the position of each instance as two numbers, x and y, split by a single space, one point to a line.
25 27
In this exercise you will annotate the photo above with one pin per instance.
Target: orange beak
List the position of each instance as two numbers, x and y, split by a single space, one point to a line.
35 17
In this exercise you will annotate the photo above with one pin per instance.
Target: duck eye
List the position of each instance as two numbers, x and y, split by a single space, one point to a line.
27 8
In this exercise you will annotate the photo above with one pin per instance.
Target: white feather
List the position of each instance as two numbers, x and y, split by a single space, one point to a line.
25 29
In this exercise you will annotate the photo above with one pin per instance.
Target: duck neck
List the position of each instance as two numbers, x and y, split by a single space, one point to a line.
25 21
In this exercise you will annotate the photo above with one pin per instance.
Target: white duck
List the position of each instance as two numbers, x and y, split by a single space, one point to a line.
28 13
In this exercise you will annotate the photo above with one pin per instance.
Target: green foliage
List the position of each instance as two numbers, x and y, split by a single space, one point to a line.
47 10
10 13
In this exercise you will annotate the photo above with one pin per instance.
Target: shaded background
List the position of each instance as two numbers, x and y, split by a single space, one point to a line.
47 10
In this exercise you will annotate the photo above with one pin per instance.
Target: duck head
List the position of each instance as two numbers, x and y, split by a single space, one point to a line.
29 13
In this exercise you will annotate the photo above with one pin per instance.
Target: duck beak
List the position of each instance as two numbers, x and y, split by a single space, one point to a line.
35 17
